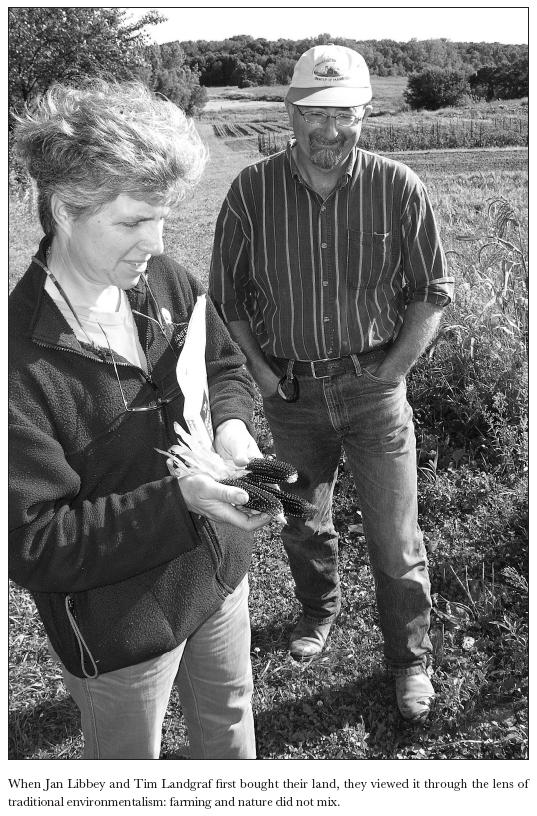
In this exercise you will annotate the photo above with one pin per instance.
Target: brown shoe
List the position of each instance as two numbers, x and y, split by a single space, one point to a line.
308 639
415 696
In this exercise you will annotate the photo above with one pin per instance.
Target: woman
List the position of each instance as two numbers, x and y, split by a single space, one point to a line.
137 581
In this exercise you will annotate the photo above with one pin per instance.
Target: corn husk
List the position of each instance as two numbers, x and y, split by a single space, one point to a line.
191 457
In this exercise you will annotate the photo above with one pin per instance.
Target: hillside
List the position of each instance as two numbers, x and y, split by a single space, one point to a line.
218 60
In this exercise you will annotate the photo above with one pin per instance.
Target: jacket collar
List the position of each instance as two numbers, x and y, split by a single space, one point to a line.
47 324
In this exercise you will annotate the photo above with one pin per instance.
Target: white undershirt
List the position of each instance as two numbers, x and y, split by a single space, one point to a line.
119 326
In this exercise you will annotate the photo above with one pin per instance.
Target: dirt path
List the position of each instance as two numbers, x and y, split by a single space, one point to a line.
189 232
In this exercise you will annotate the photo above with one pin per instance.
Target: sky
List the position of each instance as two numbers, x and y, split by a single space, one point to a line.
502 24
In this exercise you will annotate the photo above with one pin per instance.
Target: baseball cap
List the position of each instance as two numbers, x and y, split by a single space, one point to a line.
331 76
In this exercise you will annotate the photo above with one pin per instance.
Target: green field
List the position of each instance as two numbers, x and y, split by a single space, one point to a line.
387 92
469 396
248 121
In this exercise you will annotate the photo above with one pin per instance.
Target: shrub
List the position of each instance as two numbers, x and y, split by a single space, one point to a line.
435 88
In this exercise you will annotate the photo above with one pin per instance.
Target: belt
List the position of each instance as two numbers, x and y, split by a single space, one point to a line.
332 368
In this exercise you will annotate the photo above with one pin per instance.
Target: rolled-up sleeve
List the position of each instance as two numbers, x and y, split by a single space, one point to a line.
424 261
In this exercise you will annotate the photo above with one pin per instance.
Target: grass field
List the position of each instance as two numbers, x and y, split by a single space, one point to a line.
387 92
469 396
255 119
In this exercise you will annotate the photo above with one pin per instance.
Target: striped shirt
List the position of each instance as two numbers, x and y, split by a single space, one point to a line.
320 279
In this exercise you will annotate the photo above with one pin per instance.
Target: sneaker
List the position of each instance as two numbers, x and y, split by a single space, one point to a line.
415 696
308 639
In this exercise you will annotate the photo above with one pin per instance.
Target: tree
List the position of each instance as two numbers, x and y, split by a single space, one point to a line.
436 88
53 44
502 82
166 73
516 80
284 70
483 82
247 74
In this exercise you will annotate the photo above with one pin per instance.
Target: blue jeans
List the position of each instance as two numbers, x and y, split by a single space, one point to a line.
123 711
371 420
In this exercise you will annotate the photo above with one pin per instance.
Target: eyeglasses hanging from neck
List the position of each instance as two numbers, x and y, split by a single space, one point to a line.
158 401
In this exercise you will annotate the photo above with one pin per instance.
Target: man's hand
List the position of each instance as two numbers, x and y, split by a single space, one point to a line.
233 441
267 381
215 501
419 327
268 385
388 374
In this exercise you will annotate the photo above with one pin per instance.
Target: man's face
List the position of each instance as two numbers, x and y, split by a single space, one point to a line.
326 145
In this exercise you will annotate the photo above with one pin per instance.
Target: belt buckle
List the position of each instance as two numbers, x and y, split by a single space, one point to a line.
335 364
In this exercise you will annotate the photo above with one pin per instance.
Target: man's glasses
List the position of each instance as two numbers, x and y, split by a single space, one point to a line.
320 117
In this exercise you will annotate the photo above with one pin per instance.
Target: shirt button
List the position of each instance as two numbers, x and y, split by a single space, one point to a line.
323 209
325 283
326 319
323 246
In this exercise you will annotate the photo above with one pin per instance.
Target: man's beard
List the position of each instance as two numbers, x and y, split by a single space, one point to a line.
326 156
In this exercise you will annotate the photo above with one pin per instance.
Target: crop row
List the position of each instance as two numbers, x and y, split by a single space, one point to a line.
422 135
225 131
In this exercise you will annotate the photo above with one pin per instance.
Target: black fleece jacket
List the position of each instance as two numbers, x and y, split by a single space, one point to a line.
120 570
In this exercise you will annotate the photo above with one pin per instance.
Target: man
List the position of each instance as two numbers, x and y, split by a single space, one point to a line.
329 272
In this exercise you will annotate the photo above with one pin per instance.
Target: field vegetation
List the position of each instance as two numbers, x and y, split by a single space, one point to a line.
469 395
392 126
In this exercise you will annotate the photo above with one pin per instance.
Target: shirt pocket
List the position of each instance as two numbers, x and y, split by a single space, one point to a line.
368 258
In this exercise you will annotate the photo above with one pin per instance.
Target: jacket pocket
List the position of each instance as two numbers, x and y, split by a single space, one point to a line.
368 258
146 616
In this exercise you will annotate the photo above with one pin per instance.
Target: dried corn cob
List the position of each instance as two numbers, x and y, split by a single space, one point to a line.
292 505
271 470
260 499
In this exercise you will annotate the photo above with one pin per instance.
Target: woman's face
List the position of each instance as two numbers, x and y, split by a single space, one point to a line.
113 246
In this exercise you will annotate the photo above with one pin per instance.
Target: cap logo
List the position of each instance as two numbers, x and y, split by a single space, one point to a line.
328 69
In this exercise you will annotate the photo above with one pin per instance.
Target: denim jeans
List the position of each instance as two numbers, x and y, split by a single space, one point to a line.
371 420
123 711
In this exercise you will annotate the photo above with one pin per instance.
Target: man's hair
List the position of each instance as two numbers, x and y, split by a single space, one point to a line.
91 142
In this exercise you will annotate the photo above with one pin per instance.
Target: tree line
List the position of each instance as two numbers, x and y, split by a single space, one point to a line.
245 60
53 44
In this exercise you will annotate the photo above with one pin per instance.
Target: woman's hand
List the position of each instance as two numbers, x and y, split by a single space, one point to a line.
215 501
233 442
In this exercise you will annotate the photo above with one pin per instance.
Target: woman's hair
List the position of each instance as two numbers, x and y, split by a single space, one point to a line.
97 140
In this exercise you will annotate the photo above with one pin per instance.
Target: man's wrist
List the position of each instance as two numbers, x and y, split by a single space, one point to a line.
387 371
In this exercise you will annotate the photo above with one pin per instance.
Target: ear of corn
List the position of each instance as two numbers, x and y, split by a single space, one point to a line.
271 471
260 499
292 505
258 478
